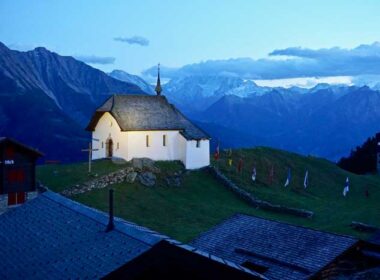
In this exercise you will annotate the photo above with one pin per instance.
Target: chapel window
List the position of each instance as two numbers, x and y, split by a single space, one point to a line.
147 140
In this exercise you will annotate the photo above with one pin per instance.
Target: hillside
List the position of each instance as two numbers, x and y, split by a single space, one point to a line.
46 100
201 201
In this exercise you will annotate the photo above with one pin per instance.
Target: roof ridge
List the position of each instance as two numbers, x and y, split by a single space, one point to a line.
298 226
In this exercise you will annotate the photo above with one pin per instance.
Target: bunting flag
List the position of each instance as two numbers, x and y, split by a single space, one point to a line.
306 180
240 165
288 178
229 152
271 175
254 174
217 152
346 187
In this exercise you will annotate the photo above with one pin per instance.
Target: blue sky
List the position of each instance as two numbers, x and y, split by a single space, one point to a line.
135 35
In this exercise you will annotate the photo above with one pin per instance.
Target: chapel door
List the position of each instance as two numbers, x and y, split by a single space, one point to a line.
109 148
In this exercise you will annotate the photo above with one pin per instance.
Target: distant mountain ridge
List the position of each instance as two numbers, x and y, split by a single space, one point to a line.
132 79
326 120
203 91
324 123
47 99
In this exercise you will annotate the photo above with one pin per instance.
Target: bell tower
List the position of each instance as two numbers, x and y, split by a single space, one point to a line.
158 88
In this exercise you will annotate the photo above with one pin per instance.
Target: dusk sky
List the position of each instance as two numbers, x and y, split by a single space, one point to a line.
135 35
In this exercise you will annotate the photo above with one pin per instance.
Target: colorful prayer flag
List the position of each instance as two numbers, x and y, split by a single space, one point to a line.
230 152
346 187
254 174
288 178
217 152
306 180
271 175
240 165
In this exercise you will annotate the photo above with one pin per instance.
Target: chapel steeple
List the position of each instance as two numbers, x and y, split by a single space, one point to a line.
158 88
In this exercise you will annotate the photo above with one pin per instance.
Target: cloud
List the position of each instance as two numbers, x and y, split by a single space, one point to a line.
307 82
135 40
296 62
93 59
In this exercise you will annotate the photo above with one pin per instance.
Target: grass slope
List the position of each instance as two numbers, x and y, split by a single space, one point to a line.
333 212
202 202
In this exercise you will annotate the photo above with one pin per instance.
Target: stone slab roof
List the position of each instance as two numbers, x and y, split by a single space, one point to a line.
375 238
53 237
287 251
147 112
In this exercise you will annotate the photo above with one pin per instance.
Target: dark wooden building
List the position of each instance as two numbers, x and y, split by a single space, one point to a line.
17 172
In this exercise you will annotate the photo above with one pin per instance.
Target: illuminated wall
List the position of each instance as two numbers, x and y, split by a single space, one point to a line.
133 144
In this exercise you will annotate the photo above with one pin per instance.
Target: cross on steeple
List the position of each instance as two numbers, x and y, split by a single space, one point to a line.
158 86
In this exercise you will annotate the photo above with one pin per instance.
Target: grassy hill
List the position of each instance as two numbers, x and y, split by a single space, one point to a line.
202 202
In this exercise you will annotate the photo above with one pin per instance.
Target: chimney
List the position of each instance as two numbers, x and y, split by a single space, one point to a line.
110 225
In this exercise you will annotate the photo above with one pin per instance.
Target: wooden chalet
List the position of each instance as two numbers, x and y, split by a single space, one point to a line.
17 172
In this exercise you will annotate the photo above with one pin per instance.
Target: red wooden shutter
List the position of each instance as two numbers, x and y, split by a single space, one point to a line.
11 199
20 197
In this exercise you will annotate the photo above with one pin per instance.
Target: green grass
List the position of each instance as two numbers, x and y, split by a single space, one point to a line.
323 195
61 176
202 202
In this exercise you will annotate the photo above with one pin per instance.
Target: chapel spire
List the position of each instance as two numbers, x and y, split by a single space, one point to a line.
158 88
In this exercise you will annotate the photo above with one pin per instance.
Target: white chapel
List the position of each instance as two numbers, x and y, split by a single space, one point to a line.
135 126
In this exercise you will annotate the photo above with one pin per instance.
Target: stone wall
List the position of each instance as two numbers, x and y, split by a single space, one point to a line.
3 203
249 198
4 200
143 170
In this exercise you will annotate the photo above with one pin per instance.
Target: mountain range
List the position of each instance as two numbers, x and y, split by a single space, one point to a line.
46 100
326 120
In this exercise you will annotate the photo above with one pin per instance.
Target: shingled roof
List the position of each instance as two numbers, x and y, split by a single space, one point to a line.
286 251
53 237
147 112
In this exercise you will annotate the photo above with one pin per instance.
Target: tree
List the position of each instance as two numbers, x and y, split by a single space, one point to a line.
362 160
